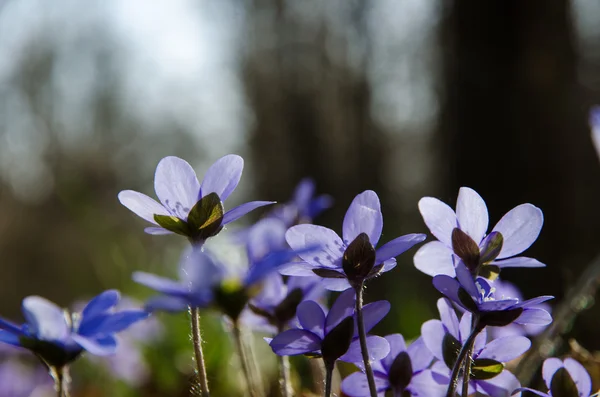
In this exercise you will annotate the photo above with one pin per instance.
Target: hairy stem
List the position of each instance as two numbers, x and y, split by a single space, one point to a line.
328 377
239 344
285 384
464 354
198 354
61 380
363 340
467 373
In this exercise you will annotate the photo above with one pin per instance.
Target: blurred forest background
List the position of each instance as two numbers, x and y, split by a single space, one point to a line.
408 98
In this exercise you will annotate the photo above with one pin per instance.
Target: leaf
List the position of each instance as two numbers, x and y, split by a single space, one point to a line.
493 245
467 301
562 385
359 259
337 341
465 248
486 368
401 371
173 224
500 318
206 216
328 273
450 349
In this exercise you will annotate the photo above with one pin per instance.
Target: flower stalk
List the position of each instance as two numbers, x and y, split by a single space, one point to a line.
363 340
328 377
61 380
237 337
198 354
464 355
285 383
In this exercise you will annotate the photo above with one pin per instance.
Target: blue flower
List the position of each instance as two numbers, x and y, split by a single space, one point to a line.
565 378
444 339
478 297
187 207
304 206
349 261
59 337
333 335
204 280
275 306
404 371
462 234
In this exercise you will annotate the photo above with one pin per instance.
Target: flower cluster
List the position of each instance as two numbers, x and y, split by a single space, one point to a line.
292 265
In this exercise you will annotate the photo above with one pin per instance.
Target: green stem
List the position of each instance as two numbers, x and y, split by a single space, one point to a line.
462 355
363 340
237 336
284 382
198 354
61 380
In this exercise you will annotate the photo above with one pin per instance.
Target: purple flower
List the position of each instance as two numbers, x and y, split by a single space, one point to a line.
505 289
333 335
275 306
351 260
477 297
463 235
304 206
565 378
187 207
59 337
444 339
204 280
20 380
404 371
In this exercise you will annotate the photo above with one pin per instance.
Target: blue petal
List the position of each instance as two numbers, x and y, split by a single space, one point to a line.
101 303
176 186
295 341
10 338
342 307
111 322
223 176
160 284
265 236
101 346
167 303
242 209
10 327
45 320
397 246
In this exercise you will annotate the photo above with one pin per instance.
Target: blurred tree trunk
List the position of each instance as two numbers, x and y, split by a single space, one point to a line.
515 127
306 81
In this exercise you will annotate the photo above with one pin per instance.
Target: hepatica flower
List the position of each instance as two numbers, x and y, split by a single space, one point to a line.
275 306
403 371
462 234
348 261
565 378
188 207
334 335
444 339
504 289
204 280
304 206
478 297
58 337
